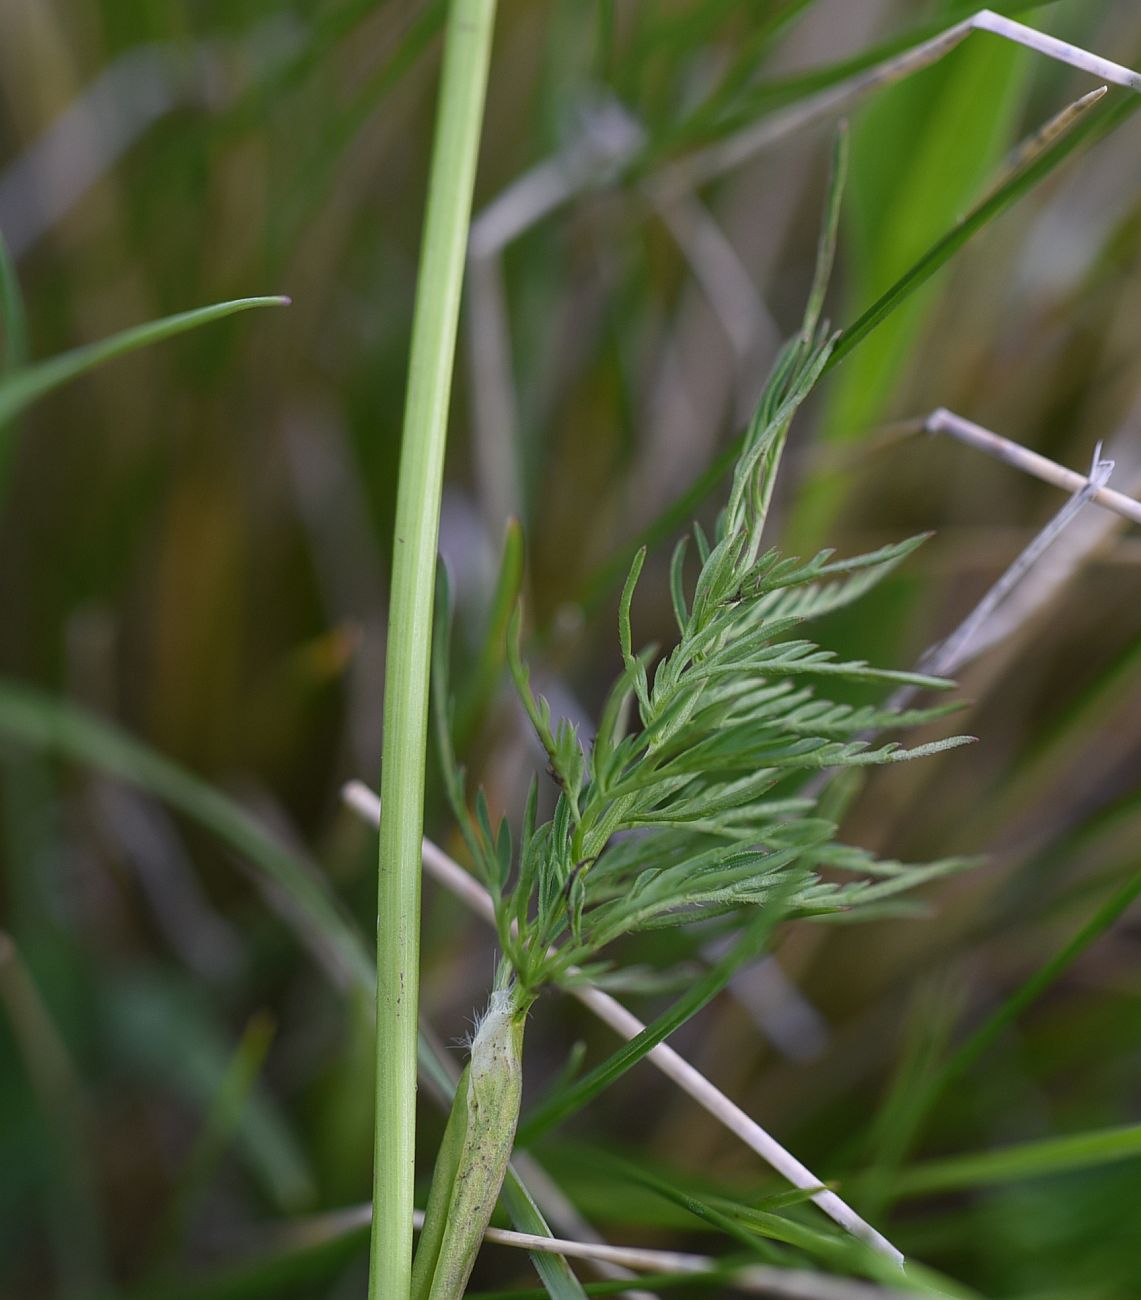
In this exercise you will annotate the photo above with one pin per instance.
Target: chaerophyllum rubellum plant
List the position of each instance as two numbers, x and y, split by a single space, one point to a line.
688 802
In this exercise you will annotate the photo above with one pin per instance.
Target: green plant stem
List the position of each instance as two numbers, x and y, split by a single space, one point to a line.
467 48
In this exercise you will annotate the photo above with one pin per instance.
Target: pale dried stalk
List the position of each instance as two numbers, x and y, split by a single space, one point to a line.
753 1279
966 642
986 20
706 164
454 878
1030 462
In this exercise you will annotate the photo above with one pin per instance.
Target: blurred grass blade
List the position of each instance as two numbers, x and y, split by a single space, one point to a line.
172 1037
1027 1160
306 1256
20 388
1105 916
480 684
314 180
73 1194
58 727
13 321
922 153
892 1132
927 1092
740 72
563 1104
217 1132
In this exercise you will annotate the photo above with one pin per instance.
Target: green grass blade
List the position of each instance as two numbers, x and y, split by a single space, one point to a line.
1105 916
560 1106
309 1256
930 1090
713 119
1026 1160
13 321
317 175
1033 169
921 154
480 686
467 54
77 1226
57 727
554 1272
217 1132
20 388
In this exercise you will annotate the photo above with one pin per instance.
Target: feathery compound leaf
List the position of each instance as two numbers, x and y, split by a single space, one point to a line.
669 819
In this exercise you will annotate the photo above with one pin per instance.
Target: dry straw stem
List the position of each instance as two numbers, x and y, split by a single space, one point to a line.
706 164
753 1279
971 637
454 878
1030 462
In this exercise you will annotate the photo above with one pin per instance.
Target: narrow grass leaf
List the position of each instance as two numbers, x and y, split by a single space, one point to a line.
562 1105
1027 1160
477 692
218 1130
13 321
54 726
1033 169
554 1272
1029 992
20 388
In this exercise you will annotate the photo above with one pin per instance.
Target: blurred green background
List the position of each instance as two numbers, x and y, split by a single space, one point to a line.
195 541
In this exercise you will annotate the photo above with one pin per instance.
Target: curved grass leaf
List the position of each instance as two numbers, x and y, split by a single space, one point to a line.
53 726
556 1274
564 1104
20 388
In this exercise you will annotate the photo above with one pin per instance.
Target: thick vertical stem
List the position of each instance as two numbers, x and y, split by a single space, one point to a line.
464 80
